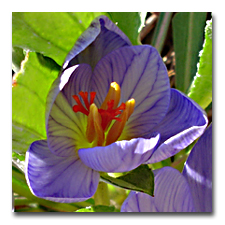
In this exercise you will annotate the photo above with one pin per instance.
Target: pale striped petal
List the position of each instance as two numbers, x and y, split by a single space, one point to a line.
120 156
172 194
60 179
184 122
101 38
198 172
66 129
138 202
79 80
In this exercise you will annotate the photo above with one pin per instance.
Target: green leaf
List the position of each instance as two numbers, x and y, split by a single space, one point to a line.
201 88
129 22
51 33
188 30
140 179
29 92
98 208
161 30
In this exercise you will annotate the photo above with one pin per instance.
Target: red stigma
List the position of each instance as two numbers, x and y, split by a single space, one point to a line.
107 115
110 114
79 107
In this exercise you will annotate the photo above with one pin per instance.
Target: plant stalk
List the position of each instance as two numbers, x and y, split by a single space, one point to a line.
101 196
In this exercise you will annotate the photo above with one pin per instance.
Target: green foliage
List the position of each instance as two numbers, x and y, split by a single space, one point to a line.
201 88
188 29
140 179
29 93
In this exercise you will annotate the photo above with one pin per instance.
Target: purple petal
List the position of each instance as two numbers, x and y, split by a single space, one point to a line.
198 172
138 202
60 179
120 156
184 122
142 75
101 38
79 80
172 194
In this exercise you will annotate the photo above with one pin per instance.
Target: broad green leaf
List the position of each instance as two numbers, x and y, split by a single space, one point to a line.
98 208
201 88
51 33
29 92
161 30
188 30
129 22
140 179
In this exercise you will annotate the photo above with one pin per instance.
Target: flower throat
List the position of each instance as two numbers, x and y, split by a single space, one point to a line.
99 120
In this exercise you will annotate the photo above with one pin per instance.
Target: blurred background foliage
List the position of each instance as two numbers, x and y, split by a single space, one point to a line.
40 43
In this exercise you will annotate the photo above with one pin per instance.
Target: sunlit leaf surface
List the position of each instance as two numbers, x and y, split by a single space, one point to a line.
201 88
30 88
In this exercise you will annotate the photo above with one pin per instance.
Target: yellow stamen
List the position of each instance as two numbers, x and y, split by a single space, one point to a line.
117 128
94 129
130 104
113 94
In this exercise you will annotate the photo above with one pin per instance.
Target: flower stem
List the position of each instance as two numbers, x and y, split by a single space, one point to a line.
101 196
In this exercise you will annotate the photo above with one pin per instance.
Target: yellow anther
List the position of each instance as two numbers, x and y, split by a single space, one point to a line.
130 104
117 128
113 94
94 129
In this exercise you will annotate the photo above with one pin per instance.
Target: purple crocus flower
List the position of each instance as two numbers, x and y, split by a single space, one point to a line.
110 110
190 191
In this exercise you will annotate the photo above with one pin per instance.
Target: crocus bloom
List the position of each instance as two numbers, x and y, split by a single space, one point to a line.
190 191
110 110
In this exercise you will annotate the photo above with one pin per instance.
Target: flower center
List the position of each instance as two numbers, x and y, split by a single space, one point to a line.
99 120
